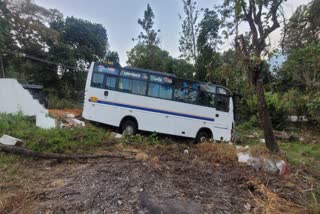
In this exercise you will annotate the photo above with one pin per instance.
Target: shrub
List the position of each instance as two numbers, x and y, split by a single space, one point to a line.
314 107
278 108
55 102
72 140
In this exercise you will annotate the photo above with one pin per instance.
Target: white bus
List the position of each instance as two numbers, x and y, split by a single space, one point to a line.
136 99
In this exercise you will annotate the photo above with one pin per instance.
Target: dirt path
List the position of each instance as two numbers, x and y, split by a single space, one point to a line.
160 181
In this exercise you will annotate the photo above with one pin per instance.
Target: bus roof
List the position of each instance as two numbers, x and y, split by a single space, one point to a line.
150 71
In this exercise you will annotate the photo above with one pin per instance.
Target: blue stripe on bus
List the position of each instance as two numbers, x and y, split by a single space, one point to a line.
153 110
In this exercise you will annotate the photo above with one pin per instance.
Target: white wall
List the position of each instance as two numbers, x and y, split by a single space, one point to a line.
14 98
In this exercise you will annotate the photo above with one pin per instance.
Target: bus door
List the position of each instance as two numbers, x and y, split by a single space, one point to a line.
222 115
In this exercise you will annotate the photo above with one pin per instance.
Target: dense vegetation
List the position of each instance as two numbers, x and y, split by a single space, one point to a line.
39 45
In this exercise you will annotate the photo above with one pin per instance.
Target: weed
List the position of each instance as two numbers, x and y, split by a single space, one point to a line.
301 153
72 140
141 156
153 139
314 206
217 153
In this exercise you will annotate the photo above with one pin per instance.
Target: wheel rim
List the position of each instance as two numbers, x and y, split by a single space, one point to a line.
203 139
129 130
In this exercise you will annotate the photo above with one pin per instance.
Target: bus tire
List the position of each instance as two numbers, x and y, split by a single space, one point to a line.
129 127
202 137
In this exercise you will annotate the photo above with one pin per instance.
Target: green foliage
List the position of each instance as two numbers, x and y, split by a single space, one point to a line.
301 153
55 102
297 102
89 39
278 109
149 36
302 66
78 140
314 107
149 57
303 26
206 65
112 56
188 36
142 140
5 35
44 35
181 68
208 31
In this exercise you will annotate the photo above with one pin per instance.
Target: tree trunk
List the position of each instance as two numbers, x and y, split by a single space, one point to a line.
264 115
29 153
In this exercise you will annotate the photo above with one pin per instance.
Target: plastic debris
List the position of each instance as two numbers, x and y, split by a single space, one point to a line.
264 164
69 115
75 122
11 141
118 136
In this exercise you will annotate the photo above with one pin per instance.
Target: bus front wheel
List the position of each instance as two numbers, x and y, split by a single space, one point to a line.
202 137
129 127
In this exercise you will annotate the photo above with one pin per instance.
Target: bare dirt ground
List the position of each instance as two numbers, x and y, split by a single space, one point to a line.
160 179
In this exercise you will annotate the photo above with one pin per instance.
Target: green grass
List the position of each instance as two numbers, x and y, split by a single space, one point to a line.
70 140
301 153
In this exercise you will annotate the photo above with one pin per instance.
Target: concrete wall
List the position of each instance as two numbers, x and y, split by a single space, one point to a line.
14 98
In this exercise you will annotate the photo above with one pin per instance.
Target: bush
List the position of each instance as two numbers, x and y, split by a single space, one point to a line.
278 108
314 107
55 102
73 140
297 102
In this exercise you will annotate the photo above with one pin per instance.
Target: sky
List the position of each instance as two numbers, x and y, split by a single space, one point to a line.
120 17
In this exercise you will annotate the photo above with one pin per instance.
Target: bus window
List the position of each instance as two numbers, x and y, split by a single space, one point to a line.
111 82
185 92
203 98
165 92
97 80
125 85
211 100
222 103
153 90
139 87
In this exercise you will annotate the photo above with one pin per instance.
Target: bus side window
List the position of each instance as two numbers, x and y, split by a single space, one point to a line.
97 80
203 99
222 103
110 82
154 89
125 85
185 92
212 100
139 87
166 92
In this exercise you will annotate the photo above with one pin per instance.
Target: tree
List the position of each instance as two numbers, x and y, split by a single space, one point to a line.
303 66
5 35
140 56
112 56
209 31
149 36
208 38
262 18
188 36
303 26
181 68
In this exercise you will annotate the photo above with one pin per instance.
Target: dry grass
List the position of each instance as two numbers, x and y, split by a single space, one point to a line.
141 156
217 153
260 150
155 162
270 203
